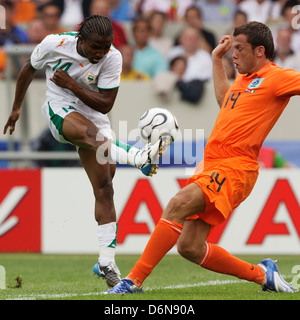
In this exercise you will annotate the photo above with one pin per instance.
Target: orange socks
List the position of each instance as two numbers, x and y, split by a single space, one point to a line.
163 238
219 260
215 258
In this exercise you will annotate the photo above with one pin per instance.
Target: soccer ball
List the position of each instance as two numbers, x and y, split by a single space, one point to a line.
157 122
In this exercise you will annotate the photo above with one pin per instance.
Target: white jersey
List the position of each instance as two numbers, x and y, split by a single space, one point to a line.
58 51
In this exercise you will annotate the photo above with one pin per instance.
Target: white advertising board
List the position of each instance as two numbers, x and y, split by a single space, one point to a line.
268 222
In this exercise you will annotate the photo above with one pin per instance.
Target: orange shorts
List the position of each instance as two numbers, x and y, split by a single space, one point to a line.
225 183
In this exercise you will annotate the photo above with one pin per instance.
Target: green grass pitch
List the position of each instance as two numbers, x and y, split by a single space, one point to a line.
70 277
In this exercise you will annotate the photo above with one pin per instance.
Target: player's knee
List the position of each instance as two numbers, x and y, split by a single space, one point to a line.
86 137
89 137
176 209
190 252
172 209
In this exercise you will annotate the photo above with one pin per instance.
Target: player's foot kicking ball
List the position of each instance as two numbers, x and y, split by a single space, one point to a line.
147 158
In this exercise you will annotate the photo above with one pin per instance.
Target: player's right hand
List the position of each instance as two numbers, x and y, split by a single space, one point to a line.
11 122
223 46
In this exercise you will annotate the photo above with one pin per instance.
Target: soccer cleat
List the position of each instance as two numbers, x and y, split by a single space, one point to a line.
110 273
274 281
150 154
125 286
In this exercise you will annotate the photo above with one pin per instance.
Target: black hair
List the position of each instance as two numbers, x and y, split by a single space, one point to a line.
174 60
258 34
50 4
7 4
237 12
140 20
96 24
289 4
195 8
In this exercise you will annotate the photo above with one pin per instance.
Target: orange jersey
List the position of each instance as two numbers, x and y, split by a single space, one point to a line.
250 109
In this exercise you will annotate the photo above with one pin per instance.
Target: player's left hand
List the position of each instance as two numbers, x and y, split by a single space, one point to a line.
62 79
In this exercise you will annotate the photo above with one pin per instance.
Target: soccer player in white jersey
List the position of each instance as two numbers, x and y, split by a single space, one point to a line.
83 76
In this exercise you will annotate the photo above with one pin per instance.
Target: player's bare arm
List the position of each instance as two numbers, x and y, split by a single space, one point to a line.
101 101
24 79
221 83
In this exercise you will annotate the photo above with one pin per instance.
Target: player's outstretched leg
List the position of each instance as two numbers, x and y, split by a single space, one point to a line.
147 158
110 273
274 281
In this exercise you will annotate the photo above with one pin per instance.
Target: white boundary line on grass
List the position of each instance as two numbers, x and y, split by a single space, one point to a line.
74 295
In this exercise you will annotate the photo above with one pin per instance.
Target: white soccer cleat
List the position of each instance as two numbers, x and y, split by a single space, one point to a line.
149 155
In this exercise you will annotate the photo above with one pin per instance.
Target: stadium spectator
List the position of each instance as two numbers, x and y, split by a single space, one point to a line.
259 10
24 11
158 40
193 18
50 15
3 58
102 7
36 31
146 58
165 82
73 12
12 34
217 11
122 10
239 18
128 72
278 6
290 18
175 9
199 63
284 56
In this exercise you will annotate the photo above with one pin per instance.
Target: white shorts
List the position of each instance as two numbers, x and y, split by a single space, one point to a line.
55 111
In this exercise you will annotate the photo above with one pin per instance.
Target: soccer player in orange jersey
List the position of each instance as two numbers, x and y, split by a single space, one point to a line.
249 108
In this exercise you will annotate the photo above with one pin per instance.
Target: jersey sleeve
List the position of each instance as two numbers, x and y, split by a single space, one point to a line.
42 52
287 84
109 77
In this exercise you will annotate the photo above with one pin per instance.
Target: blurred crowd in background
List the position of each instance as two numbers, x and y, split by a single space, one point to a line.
178 60
182 61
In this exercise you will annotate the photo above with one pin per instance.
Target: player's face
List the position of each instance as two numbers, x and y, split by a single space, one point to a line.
94 48
244 57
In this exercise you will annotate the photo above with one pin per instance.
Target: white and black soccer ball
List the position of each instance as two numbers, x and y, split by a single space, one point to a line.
157 122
